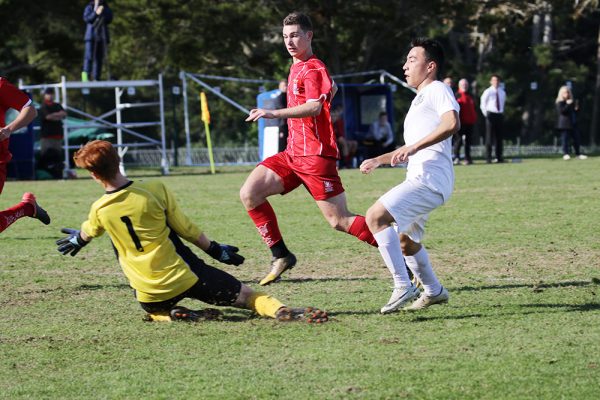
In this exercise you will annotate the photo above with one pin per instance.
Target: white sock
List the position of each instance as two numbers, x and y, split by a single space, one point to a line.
391 252
420 265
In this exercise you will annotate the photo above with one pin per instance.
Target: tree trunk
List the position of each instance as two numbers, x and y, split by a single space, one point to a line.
596 107
539 106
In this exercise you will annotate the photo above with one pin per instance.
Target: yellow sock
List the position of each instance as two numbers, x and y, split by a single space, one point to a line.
263 304
160 316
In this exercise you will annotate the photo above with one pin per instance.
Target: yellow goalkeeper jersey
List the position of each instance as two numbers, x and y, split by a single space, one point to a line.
144 221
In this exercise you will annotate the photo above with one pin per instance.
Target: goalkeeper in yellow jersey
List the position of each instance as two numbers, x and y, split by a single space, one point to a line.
146 225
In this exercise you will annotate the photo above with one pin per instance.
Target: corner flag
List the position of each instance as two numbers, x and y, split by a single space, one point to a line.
206 119
204 108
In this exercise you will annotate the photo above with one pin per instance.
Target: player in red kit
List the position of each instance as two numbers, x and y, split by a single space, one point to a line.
311 153
11 97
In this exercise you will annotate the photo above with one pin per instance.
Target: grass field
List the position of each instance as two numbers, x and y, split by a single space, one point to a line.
517 246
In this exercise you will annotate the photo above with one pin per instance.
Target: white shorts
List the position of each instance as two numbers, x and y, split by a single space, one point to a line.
410 204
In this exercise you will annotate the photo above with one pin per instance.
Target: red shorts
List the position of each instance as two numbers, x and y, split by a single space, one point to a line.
318 174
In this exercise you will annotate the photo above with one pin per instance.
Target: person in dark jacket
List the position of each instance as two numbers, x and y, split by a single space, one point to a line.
567 108
97 15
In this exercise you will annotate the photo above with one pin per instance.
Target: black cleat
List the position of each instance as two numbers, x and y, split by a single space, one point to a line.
308 314
38 211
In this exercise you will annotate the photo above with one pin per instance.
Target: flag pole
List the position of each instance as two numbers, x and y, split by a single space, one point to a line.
206 120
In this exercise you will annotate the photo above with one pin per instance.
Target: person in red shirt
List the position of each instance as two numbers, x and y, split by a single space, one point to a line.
468 117
347 146
11 97
310 156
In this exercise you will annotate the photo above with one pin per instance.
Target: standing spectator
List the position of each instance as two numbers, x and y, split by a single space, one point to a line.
448 81
51 116
567 108
468 117
281 102
348 147
51 138
97 15
11 97
381 131
492 107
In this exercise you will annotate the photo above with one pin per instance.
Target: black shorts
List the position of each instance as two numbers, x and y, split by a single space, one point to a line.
213 287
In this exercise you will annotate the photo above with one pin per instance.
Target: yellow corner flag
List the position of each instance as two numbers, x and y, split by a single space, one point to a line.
204 108
206 119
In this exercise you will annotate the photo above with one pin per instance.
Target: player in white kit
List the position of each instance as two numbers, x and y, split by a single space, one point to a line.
428 128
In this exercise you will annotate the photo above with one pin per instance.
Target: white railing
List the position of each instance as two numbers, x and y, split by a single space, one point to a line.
249 155
199 156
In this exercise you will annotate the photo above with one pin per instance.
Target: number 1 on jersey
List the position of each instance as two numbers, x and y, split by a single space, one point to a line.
136 240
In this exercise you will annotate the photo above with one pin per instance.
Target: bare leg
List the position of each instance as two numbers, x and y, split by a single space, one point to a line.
260 184
335 210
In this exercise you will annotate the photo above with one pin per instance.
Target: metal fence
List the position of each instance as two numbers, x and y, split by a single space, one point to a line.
199 156
249 155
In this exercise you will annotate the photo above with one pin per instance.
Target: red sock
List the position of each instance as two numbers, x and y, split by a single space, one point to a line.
360 229
266 222
10 215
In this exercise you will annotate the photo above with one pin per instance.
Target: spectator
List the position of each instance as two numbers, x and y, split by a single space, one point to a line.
492 107
51 137
348 147
567 108
97 15
381 131
51 117
281 102
468 117
448 81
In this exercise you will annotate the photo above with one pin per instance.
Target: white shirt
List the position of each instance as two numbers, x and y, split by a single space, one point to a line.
488 100
382 133
432 165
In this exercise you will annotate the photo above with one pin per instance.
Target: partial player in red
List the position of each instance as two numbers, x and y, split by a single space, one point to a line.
11 97
311 154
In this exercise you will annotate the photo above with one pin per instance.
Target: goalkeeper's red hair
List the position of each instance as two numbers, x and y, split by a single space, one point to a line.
99 157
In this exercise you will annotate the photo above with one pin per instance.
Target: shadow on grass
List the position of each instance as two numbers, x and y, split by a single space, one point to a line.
567 307
540 309
532 286
309 280
101 287
55 237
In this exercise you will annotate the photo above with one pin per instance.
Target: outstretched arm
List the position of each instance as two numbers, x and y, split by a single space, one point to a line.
309 109
75 241
225 253
449 125
26 115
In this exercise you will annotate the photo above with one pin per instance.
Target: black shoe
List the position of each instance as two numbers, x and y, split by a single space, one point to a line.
185 314
308 314
38 211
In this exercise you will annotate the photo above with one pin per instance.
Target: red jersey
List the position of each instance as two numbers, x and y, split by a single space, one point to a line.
310 136
10 97
467 114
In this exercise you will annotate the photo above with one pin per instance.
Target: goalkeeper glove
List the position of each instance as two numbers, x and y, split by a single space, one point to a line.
225 253
72 243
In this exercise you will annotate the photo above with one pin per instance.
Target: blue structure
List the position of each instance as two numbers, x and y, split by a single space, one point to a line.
362 104
22 165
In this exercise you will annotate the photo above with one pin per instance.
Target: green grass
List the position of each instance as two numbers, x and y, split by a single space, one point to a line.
517 246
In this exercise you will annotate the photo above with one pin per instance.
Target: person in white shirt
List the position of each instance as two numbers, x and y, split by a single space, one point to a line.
428 128
382 133
492 108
